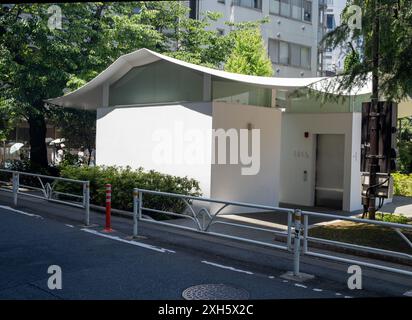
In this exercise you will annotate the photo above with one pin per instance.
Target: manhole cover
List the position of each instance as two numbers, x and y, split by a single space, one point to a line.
214 292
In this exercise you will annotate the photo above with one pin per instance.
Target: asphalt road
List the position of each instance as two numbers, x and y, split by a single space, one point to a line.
96 267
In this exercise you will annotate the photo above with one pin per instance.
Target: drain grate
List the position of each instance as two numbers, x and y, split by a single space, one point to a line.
214 292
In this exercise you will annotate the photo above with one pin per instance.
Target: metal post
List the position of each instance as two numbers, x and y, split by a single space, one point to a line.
108 227
139 211
86 199
305 233
135 210
15 187
296 242
289 239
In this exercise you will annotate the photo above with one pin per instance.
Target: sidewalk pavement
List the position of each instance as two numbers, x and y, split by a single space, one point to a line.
399 205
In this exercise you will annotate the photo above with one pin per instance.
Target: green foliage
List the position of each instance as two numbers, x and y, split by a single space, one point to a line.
405 145
37 63
394 218
402 184
78 127
249 54
405 156
123 180
70 160
29 167
8 118
351 61
395 41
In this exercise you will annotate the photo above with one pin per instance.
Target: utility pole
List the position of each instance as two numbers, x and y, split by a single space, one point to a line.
374 116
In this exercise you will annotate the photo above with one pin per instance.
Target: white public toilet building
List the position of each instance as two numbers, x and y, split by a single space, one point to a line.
161 113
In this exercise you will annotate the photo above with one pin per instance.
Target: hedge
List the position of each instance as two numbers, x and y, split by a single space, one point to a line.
123 180
402 184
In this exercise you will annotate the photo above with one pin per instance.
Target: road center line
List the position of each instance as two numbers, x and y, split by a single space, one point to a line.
408 293
134 243
21 212
226 267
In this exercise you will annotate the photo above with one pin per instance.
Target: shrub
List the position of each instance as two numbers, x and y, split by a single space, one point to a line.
402 184
395 218
123 180
29 167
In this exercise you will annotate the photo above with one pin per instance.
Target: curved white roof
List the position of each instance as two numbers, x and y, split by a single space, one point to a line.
90 95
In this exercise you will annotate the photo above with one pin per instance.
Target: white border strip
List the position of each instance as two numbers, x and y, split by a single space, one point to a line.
226 267
21 212
135 243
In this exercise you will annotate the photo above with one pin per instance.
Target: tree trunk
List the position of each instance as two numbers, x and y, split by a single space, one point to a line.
38 149
89 149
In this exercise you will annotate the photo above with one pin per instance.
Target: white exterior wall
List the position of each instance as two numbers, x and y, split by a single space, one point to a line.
298 154
227 180
289 30
125 136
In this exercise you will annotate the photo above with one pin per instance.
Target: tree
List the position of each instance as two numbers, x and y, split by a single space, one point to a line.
249 55
78 127
383 54
38 62
405 145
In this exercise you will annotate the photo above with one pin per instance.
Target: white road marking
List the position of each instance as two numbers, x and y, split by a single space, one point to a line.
134 243
21 212
300 285
347 297
317 290
285 281
226 267
408 293
271 277
69 225
338 294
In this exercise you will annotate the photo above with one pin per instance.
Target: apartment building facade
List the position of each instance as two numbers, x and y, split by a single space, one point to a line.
333 59
291 36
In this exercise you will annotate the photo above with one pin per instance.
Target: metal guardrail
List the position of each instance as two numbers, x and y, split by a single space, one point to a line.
200 225
395 226
46 190
296 234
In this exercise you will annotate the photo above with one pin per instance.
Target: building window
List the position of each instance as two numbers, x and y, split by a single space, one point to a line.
307 10
273 48
274 6
305 57
297 9
285 8
283 53
289 54
321 15
295 55
330 21
254 4
221 1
